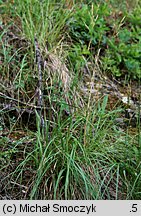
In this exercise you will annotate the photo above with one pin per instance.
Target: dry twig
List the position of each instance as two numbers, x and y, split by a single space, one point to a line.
40 93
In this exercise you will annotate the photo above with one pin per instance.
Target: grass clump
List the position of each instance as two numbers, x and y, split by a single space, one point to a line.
86 149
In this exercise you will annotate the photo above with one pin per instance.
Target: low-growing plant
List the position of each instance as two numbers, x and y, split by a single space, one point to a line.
83 150
87 25
123 55
119 46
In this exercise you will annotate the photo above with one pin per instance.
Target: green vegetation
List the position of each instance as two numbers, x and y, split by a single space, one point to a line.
115 34
87 147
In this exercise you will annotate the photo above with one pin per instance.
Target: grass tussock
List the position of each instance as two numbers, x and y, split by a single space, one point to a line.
89 55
